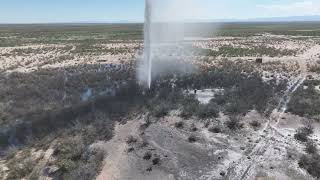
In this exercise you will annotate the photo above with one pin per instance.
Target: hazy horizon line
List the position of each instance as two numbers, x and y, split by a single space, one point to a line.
311 18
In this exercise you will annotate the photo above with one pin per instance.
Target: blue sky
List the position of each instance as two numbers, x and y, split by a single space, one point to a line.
44 11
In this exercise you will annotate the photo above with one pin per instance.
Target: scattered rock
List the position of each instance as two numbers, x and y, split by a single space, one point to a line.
50 171
222 173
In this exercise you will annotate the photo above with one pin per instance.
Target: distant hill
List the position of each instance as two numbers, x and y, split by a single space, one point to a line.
271 19
285 19
315 18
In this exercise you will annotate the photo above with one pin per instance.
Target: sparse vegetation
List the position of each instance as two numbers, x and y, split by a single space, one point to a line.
160 110
21 167
156 161
207 111
306 102
147 156
311 148
303 133
43 107
192 138
230 51
131 140
215 129
255 124
190 106
179 125
311 163
234 123
315 68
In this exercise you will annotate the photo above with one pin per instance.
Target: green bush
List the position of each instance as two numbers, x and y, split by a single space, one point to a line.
160 110
189 106
305 102
179 125
215 129
207 111
315 69
230 51
21 166
311 148
311 163
234 123
255 124
303 133
68 152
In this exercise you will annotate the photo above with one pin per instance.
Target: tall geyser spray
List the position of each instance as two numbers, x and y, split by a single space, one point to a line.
147 40
167 36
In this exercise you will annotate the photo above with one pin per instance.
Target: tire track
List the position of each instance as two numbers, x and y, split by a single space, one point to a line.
269 135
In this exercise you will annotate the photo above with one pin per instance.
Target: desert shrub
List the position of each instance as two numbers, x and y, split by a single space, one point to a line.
247 93
179 125
315 68
311 163
234 123
68 151
156 161
193 127
237 107
303 133
160 110
190 106
4 140
305 102
131 140
219 100
147 156
244 89
11 152
227 51
75 161
192 138
215 129
20 167
255 124
301 137
88 167
207 110
254 92
311 148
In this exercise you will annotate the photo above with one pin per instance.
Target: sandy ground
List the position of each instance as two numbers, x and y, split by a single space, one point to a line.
247 154
119 164
62 55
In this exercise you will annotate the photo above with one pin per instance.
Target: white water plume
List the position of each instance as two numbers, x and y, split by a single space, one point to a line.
166 29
